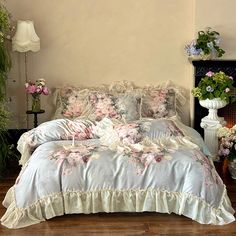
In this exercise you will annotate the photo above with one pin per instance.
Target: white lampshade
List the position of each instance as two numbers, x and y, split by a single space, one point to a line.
25 38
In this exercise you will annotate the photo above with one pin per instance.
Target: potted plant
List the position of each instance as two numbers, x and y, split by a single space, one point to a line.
206 46
227 148
214 91
5 65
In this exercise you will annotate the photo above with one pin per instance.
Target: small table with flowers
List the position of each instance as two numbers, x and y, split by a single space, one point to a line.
35 113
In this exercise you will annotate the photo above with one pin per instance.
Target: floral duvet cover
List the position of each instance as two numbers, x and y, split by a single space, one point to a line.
85 167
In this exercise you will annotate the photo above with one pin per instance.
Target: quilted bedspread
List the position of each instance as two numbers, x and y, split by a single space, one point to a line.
82 166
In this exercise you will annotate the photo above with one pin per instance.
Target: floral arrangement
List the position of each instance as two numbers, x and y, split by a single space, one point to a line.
227 138
215 85
206 44
37 88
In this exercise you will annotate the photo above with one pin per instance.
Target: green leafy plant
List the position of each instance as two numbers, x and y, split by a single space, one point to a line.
7 152
215 85
5 59
207 43
5 66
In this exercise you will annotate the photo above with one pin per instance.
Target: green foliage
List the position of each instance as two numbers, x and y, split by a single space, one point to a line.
208 42
5 63
5 148
205 46
7 151
4 116
5 60
4 20
5 66
215 85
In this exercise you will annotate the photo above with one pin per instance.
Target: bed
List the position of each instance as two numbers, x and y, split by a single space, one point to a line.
116 148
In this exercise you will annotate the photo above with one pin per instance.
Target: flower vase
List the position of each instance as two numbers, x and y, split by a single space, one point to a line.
36 103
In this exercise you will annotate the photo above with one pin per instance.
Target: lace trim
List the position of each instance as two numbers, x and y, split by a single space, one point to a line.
135 200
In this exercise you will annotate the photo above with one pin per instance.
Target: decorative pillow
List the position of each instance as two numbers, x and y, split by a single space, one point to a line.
121 100
158 103
103 105
71 102
128 105
121 106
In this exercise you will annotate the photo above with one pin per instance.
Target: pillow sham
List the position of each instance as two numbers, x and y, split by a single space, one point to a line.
121 106
158 103
128 105
103 105
70 102
120 100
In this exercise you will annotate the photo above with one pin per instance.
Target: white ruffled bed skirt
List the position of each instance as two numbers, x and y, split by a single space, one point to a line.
116 201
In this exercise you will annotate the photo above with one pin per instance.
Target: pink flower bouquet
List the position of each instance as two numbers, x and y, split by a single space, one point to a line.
37 88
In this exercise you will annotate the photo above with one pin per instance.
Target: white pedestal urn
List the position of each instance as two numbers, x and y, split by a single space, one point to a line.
211 123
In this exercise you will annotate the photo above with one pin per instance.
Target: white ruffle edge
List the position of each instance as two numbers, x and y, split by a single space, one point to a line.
116 201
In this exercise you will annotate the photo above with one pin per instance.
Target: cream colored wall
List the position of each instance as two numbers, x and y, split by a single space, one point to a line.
90 42
220 16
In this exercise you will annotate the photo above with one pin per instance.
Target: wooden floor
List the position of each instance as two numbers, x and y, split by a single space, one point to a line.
121 224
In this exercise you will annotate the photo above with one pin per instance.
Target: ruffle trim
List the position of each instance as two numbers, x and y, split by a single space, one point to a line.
151 200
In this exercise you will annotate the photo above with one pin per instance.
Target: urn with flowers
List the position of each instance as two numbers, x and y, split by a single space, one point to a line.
36 89
214 91
214 85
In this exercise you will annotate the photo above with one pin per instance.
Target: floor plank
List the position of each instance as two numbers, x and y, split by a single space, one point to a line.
122 224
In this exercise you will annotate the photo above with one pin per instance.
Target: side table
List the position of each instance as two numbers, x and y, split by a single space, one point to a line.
35 116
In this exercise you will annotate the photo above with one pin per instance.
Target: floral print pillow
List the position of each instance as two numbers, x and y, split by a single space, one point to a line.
158 103
103 105
71 103
129 133
96 104
128 106
122 106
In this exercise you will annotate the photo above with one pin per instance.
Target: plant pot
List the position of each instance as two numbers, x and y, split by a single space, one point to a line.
201 57
213 105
